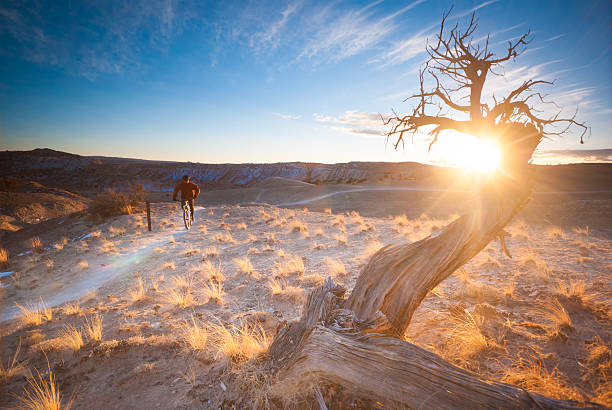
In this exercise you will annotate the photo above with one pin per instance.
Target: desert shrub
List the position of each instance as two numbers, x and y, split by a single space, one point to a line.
4 257
36 245
113 203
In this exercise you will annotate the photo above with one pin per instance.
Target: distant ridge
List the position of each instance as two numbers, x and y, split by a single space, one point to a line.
95 173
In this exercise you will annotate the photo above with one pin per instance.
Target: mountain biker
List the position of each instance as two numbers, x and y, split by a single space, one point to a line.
189 191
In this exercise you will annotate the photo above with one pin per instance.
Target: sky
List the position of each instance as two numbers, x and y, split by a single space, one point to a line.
261 81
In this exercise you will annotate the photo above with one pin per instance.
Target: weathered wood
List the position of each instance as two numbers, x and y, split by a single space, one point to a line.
397 278
327 345
399 374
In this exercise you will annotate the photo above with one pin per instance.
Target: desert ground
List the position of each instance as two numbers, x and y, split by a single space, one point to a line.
175 318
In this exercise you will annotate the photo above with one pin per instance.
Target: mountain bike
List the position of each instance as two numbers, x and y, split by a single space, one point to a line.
187 217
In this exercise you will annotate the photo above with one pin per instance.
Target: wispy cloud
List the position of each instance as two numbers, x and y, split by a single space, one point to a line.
355 122
287 116
351 32
572 156
473 9
408 49
93 38
555 37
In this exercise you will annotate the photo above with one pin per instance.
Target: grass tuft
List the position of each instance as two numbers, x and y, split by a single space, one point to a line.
71 338
13 367
335 267
36 245
238 343
138 293
34 315
93 328
42 392
194 335
244 265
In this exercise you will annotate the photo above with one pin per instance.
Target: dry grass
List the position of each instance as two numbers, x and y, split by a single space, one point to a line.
112 203
555 232
43 393
138 292
400 222
60 245
194 335
179 297
370 249
338 220
93 328
582 231
211 271
244 265
280 287
335 267
314 279
36 245
572 289
168 266
72 309
192 252
561 321
318 232
34 315
533 376
298 227
224 237
116 231
211 251
467 338
214 291
519 230
13 367
533 261
4 257
292 264
327 211
71 338
341 239
241 226
238 343
82 264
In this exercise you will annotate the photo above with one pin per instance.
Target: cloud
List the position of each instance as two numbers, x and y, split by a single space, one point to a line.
572 156
341 36
355 122
366 132
555 37
405 50
94 37
288 116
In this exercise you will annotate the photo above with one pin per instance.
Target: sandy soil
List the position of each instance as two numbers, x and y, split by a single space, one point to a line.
541 320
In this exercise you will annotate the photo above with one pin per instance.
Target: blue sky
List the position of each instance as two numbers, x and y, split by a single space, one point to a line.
268 81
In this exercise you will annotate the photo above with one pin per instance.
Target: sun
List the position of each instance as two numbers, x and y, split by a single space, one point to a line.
480 155
469 152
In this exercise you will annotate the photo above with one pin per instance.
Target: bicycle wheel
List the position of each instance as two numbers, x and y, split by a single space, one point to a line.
186 216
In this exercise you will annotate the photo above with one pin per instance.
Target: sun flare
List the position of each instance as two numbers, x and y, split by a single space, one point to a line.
469 152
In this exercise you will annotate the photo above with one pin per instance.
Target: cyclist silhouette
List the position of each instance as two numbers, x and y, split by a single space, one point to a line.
189 191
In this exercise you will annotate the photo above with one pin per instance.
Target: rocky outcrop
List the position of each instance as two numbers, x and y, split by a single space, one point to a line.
56 168
94 174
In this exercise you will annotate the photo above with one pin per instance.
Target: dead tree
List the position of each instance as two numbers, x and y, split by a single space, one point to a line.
357 342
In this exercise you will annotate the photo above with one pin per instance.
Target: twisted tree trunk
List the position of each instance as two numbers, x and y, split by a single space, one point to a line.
358 342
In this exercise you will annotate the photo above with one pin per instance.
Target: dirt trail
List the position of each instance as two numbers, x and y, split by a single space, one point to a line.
421 189
129 258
